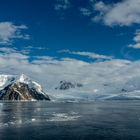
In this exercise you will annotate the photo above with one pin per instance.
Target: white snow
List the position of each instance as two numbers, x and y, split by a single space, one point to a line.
6 80
24 79
32 84
100 85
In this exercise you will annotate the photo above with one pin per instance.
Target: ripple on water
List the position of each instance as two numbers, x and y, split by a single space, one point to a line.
72 116
55 117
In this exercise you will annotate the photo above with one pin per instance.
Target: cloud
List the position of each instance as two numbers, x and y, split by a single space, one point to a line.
9 31
93 55
85 11
136 40
12 53
99 79
88 54
30 48
122 13
7 50
62 5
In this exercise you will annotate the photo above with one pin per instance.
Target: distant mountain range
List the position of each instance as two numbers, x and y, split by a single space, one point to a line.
20 88
74 91
65 85
23 88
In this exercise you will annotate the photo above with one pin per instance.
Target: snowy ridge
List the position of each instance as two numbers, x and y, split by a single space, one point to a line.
5 80
20 88
32 84
130 90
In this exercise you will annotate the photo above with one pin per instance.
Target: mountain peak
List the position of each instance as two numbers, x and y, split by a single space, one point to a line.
24 78
21 88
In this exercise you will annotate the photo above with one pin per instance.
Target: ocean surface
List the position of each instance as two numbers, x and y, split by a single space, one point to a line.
106 120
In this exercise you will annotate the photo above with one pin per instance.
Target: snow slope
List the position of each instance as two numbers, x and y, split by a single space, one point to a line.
20 88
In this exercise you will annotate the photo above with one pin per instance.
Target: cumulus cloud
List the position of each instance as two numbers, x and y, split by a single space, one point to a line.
136 40
124 13
10 31
62 5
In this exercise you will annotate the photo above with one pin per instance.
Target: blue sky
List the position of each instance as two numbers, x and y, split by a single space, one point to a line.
62 25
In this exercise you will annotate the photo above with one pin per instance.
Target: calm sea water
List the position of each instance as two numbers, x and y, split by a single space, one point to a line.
109 120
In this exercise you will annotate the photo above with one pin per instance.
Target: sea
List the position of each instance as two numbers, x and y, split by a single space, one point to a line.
98 120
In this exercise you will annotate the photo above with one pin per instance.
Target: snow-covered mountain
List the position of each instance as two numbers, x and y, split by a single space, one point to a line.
65 85
23 88
20 88
91 91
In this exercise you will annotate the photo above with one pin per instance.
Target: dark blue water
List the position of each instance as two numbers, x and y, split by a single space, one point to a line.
110 120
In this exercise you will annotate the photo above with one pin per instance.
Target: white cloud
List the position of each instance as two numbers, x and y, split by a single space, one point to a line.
88 54
99 79
93 55
12 53
136 40
10 31
85 11
62 5
124 13
7 50
30 48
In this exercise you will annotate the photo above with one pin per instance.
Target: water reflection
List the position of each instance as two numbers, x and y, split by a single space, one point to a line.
66 121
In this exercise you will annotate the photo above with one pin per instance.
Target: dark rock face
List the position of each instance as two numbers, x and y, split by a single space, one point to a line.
124 90
64 85
22 91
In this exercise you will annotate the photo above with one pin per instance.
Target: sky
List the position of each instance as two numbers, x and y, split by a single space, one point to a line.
82 26
52 40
